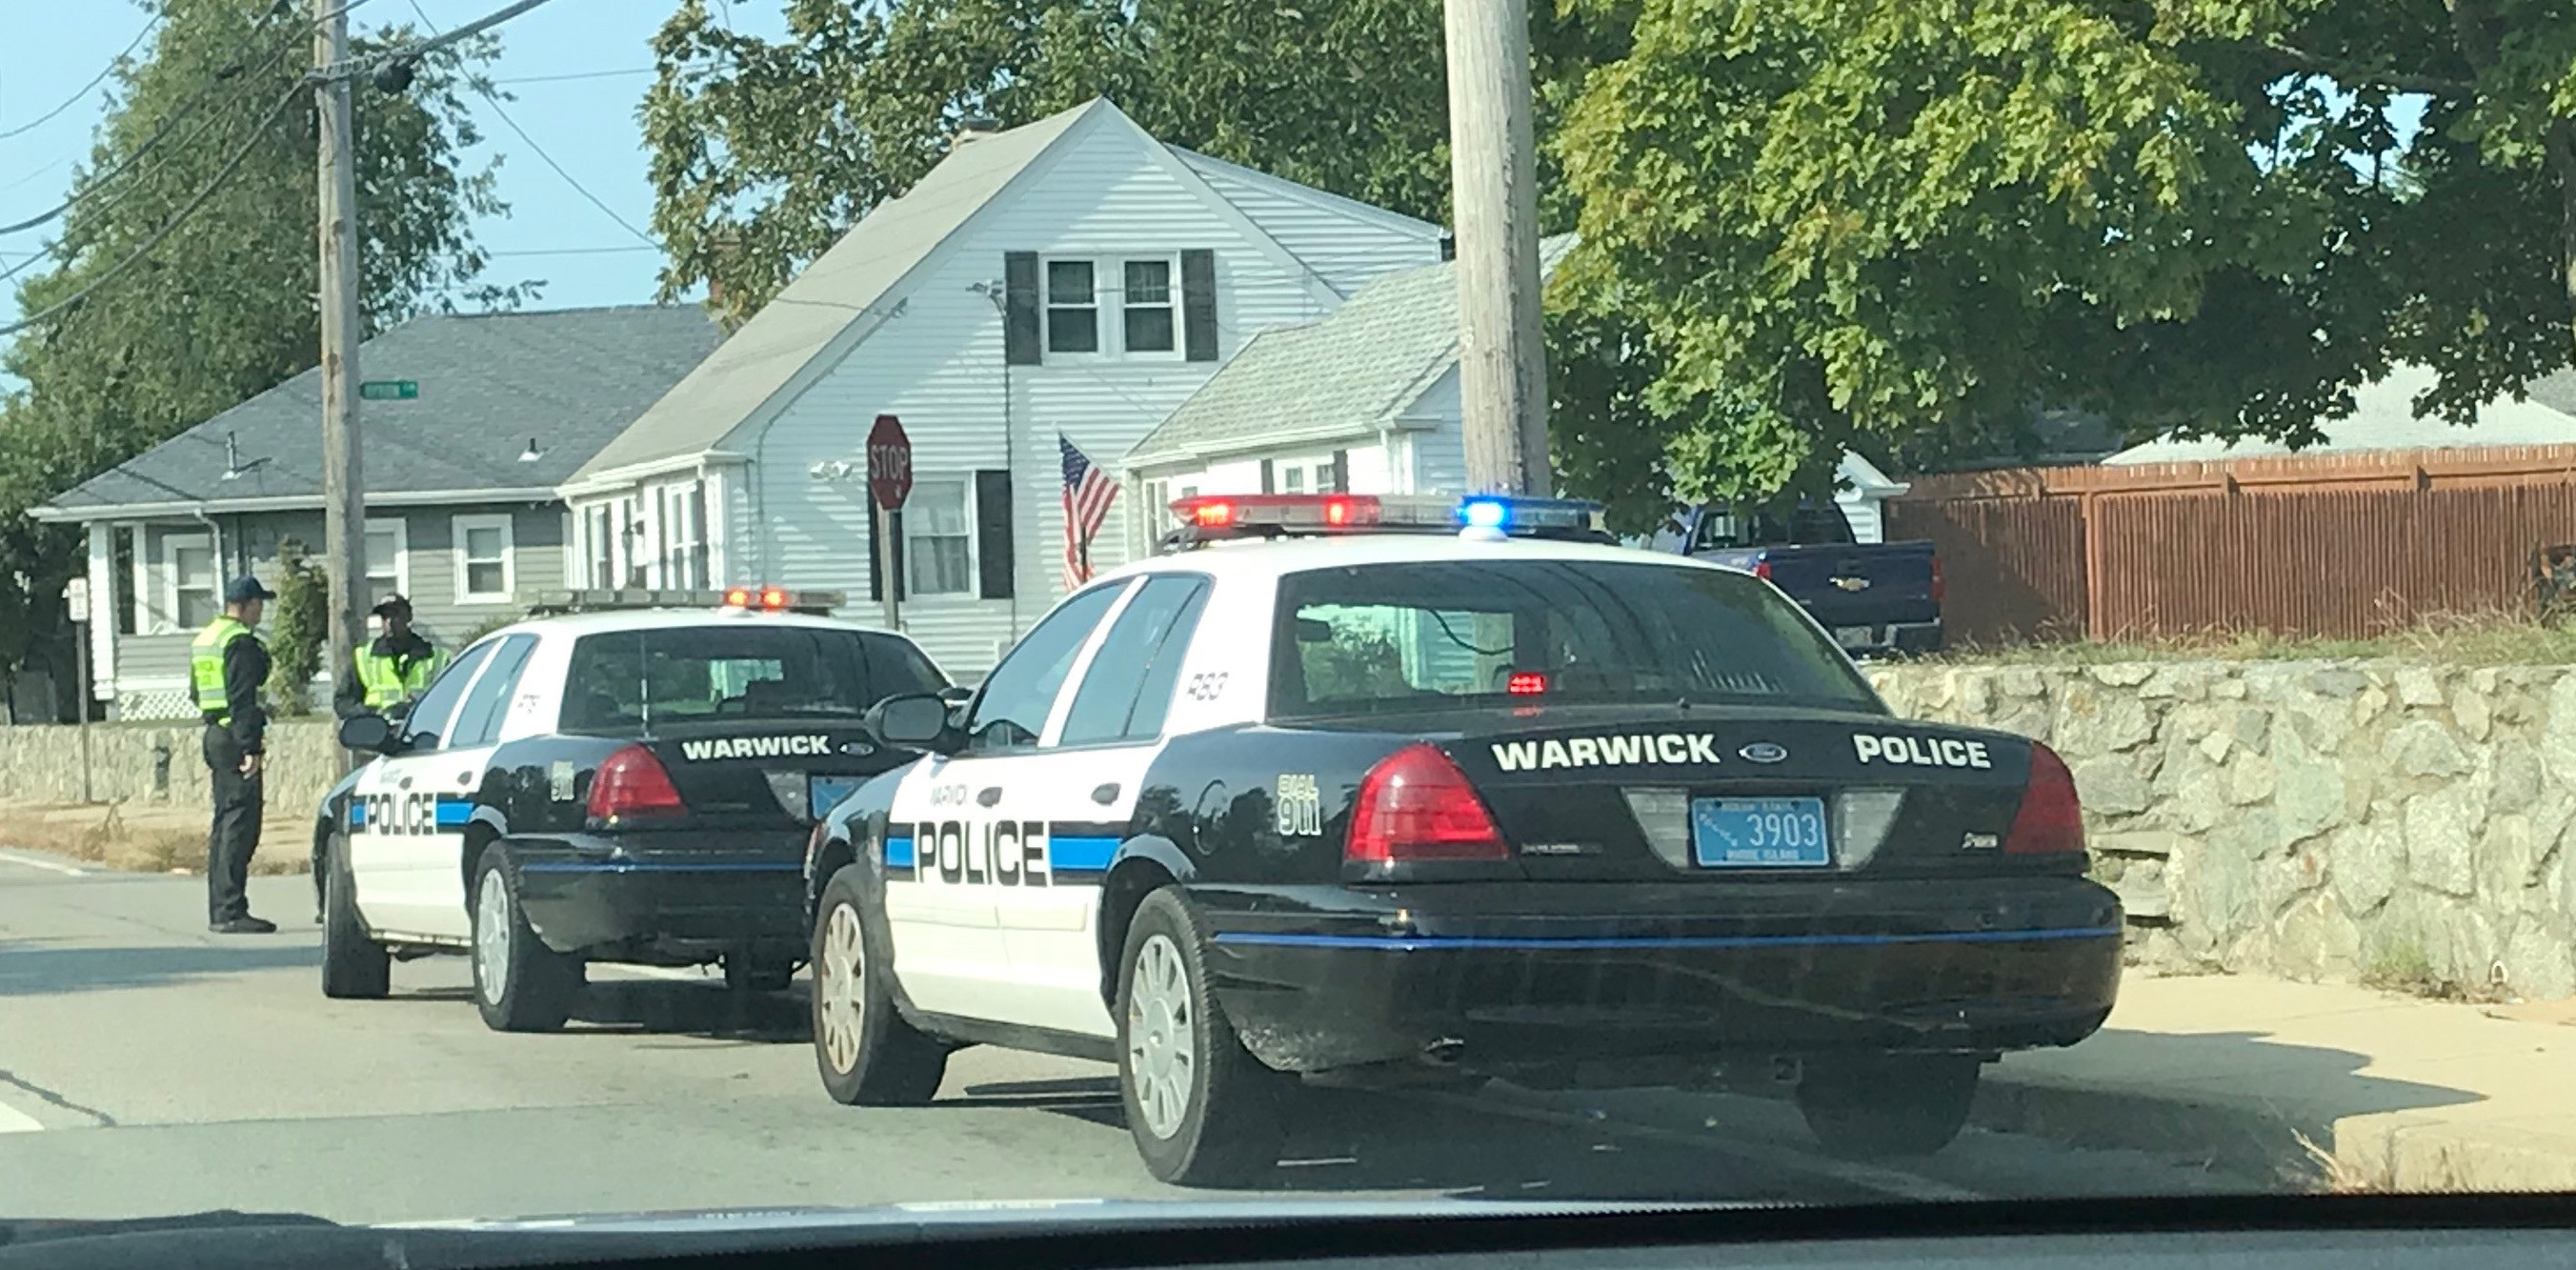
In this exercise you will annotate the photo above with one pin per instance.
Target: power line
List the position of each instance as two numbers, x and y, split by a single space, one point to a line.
169 227
558 79
494 100
413 52
573 251
85 89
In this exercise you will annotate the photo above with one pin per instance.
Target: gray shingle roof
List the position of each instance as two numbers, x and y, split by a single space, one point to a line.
572 379
1350 371
831 294
2383 418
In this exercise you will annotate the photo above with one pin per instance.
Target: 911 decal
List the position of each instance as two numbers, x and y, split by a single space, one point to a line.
1300 805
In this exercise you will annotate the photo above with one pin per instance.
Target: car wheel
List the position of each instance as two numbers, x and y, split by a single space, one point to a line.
1879 1105
746 973
868 1055
354 967
1203 1110
520 985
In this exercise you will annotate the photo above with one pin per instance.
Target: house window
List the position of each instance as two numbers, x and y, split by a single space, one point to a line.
1148 306
699 574
602 543
483 569
388 560
193 591
684 547
121 580
1073 307
937 534
1292 480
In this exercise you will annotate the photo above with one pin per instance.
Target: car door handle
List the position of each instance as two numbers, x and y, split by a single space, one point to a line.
404 783
988 795
1105 794
464 780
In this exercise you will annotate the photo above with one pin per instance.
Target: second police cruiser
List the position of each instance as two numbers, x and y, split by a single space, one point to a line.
1340 790
386 674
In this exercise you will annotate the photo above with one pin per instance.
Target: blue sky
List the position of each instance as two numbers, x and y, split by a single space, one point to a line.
587 125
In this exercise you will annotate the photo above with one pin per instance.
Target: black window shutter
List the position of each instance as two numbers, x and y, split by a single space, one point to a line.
1341 471
994 564
1269 476
1198 304
1020 308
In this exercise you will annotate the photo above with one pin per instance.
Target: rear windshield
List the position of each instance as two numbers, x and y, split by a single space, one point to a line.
1419 637
630 682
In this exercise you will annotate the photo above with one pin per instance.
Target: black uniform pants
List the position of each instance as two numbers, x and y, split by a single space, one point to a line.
235 834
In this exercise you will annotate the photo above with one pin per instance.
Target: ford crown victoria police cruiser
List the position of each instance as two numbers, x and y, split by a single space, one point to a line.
613 784
1372 805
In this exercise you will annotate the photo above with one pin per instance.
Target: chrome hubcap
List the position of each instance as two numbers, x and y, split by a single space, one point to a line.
1162 1057
837 1003
492 936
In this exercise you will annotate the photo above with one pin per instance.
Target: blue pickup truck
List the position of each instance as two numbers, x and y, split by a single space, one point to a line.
1877 599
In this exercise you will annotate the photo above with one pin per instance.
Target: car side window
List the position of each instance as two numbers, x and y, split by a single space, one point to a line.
480 717
896 669
1012 709
1128 688
427 722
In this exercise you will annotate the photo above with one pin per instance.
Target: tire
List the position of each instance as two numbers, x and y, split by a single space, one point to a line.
1203 1110
354 967
743 973
1882 1105
867 1054
520 985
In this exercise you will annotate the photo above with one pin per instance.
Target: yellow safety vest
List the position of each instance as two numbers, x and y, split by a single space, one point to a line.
206 665
389 681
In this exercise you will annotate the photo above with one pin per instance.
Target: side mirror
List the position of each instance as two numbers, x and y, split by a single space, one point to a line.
368 734
916 722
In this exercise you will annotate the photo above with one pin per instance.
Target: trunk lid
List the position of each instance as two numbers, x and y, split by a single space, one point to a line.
764 773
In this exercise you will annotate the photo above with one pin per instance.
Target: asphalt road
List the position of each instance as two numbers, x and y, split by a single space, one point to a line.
149 1067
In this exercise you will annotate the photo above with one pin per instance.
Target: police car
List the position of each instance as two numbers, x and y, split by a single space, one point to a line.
628 777
1382 790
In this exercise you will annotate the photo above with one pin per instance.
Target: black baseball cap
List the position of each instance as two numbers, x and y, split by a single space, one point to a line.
390 604
245 589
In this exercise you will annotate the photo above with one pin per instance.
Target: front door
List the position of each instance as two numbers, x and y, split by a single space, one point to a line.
417 816
956 818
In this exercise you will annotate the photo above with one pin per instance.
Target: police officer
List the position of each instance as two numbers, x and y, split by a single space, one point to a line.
388 673
227 669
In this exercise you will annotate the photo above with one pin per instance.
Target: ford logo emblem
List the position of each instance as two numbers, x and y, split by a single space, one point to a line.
856 748
1763 752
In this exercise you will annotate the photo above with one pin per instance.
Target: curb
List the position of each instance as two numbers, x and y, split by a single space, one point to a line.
2386 1151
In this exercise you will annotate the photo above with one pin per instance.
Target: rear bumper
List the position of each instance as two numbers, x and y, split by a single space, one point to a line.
702 894
1901 639
1572 973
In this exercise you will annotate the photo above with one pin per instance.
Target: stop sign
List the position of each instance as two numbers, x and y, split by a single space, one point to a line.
889 463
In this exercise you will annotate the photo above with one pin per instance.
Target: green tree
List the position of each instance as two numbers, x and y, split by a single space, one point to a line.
223 308
1900 227
300 631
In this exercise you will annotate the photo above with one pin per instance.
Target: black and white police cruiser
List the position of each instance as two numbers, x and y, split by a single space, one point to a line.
1340 789
627 777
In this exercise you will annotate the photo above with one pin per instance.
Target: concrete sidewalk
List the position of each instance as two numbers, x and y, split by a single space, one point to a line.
2393 1091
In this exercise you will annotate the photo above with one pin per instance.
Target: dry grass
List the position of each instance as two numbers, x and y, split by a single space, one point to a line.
143 840
2333 1175
2464 639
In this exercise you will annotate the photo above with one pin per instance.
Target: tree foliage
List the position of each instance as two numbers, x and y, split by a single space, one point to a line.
224 308
1905 227
300 631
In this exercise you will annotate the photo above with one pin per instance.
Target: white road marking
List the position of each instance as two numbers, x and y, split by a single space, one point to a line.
685 974
40 862
1886 1181
13 1120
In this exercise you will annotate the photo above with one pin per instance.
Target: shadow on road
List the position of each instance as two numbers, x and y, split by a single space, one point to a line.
27 968
689 1009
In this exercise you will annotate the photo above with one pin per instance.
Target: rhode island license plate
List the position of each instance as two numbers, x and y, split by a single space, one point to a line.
1759 833
823 793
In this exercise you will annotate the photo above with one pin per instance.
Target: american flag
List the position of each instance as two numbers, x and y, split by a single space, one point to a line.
1087 495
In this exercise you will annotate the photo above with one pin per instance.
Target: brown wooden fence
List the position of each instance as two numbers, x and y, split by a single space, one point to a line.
2336 545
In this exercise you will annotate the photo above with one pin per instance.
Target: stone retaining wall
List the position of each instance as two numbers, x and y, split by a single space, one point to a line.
2317 820
152 765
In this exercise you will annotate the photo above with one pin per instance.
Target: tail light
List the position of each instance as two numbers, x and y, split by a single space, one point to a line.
1526 683
1939 591
1762 570
633 785
1416 805
2051 822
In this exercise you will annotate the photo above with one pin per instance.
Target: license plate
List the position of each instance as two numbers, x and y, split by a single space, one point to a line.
1759 833
823 793
1856 636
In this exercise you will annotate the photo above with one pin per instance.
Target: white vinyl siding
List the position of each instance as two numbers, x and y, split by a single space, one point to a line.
1345 243
485 567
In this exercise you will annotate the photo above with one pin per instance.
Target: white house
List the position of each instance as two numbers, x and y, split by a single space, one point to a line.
1364 401
1073 277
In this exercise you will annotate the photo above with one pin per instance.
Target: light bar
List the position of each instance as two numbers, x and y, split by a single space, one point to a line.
771 599
610 600
1211 517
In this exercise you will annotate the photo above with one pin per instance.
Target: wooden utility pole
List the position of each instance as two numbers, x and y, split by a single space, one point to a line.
344 514
1493 166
